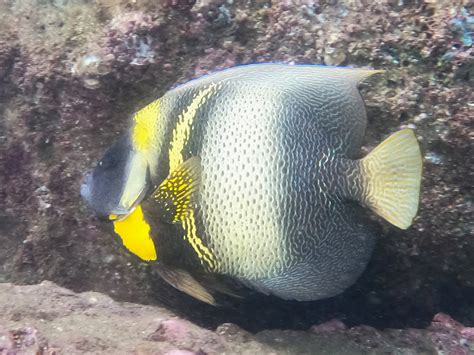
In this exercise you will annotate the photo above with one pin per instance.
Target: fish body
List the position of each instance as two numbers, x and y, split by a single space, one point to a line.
255 171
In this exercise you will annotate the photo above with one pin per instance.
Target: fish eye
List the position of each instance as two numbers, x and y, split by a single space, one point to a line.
109 161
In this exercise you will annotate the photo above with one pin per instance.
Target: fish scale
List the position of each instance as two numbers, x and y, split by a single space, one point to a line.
294 135
252 173
245 185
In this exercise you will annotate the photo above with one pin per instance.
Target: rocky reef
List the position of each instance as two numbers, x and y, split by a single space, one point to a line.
72 72
47 319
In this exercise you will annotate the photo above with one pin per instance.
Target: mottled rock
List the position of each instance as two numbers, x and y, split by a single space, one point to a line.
47 319
333 325
71 73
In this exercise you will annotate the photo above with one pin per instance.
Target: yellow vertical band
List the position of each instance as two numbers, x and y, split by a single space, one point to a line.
179 140
145 124
183 127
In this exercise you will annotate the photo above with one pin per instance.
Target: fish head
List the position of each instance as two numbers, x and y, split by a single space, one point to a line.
118 183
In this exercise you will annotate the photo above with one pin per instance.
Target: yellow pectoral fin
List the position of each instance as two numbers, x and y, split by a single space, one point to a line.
175 201
177 193
135 234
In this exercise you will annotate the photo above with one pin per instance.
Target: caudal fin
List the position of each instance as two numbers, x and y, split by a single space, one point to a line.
392 176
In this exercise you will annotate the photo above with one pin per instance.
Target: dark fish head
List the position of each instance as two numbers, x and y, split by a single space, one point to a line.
118 183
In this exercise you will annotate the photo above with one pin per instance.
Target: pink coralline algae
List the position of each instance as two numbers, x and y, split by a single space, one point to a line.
72 74
63 322
24 340
444 335
450 336
214 59
333 325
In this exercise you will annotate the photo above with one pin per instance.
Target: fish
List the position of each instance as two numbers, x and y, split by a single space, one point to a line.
252 178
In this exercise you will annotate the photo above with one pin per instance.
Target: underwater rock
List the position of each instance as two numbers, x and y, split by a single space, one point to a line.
71 73
330 326
48 319
24 340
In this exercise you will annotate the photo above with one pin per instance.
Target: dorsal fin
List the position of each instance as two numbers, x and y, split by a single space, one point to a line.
358 75
346 74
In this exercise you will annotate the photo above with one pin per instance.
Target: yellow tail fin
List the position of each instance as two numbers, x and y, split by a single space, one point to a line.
392 176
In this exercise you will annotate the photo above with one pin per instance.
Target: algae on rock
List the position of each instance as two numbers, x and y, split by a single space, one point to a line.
71 73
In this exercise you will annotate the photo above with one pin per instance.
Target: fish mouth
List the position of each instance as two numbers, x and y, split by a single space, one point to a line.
120 214
86 187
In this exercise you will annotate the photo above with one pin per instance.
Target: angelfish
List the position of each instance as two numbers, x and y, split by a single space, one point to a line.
257 172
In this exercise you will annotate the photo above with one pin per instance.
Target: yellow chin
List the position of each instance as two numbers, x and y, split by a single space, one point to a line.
135 234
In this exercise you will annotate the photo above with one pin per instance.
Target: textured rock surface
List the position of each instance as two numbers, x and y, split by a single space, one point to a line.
71 72
47 319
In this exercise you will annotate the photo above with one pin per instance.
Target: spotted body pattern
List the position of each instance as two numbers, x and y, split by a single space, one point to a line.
251 176
270 210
